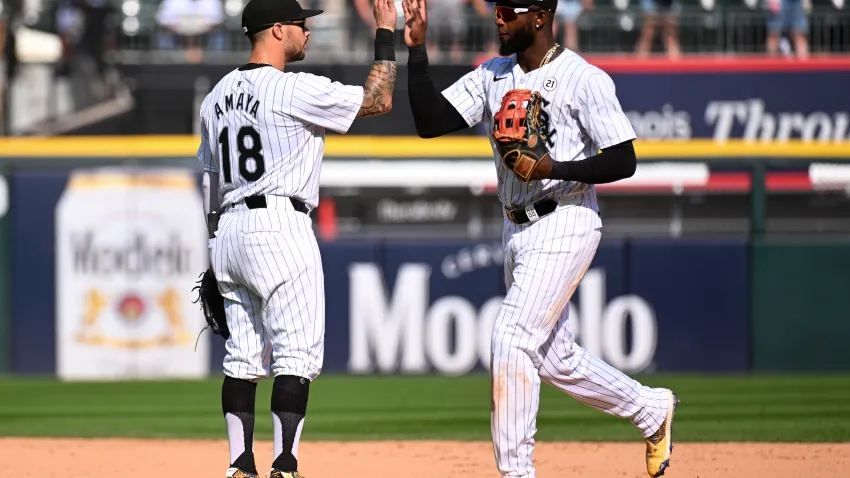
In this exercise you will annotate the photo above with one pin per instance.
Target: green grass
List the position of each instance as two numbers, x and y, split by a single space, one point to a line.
713 408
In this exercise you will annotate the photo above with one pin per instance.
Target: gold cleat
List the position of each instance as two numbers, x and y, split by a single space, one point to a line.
659 446
284 474
237 473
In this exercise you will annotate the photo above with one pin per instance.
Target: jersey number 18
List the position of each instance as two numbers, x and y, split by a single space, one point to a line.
245 153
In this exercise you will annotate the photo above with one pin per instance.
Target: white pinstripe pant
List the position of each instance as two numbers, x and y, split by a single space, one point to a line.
270 273
544 263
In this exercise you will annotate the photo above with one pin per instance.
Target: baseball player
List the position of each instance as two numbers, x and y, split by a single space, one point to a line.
548 114
262 141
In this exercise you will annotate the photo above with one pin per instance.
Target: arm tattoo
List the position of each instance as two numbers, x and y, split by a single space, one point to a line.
378 91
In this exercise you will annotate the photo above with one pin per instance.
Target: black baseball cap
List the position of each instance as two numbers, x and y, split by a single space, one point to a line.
550 5
261 14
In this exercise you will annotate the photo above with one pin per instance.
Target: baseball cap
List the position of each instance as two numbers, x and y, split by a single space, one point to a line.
261 14
550 5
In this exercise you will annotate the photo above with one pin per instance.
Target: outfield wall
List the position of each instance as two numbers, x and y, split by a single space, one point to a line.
801 305
646 305
697 97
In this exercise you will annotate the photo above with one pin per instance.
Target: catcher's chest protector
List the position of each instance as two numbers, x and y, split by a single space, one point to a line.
510 119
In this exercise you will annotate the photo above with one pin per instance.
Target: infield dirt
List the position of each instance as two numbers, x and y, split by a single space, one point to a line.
129 458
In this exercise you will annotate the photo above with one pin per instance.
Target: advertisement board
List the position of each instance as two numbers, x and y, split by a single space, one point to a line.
426 307
753 106
129 244
697 97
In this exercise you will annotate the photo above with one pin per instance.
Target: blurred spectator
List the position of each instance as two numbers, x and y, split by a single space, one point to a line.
449 20
11 16
194 25
480 34
87 29
454 26
361 23
660 12
567 13
788 16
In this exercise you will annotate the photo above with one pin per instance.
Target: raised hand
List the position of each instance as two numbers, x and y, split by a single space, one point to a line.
386 14
415 22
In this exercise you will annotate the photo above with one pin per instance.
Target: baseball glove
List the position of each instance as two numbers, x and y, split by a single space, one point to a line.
519 137
212 304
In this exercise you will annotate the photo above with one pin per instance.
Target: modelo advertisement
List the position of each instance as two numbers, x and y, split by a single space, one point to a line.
123 265
809 106
411 308
129 245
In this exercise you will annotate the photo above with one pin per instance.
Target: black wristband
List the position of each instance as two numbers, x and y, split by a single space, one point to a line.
417 54
560 170
417 62
384 45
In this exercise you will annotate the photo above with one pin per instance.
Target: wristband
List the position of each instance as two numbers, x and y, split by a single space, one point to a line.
417 62
560 170
384 45
417 54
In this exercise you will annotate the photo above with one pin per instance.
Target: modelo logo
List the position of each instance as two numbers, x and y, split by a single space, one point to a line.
401 333
761 125
137 254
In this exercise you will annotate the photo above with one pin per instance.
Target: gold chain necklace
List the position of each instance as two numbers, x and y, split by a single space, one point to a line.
548 57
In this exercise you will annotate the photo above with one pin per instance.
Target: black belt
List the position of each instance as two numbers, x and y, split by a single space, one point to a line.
538 209
259 202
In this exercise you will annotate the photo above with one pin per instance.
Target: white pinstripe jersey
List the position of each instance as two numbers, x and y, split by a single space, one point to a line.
582 107
263 130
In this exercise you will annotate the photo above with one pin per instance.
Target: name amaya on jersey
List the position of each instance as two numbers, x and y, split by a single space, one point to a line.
249 104
580 109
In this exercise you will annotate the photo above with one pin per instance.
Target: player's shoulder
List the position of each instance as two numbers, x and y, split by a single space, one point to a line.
223 83
578 66
496 66
304 77
586 69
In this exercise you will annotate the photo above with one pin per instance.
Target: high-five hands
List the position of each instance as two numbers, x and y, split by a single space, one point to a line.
385 14
415 22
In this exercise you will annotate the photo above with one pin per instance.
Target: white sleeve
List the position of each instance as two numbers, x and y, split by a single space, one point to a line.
205 154
325 103
467 96
600 113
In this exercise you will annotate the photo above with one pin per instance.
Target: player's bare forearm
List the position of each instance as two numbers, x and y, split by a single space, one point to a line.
378 91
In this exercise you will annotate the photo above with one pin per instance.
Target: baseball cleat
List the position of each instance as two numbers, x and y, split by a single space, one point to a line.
284 474
237 473
659 446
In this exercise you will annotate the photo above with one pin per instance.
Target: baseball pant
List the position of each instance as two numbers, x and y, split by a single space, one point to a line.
544 263
270 273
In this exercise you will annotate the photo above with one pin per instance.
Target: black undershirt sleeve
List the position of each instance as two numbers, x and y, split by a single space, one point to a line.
613 164
433 114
